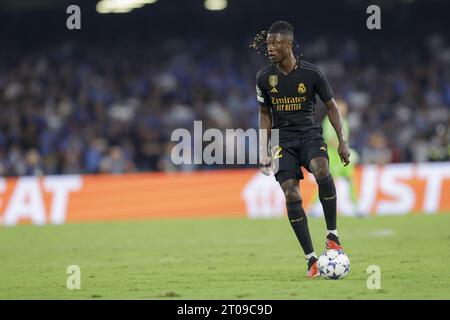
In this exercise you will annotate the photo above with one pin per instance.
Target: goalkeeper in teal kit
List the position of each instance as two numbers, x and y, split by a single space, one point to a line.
336 168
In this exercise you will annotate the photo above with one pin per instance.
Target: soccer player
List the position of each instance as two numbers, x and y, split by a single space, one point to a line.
286 91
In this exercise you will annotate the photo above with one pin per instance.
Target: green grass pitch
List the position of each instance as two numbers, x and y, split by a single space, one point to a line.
224 259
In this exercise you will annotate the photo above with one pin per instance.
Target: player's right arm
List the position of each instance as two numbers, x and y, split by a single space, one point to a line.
265 125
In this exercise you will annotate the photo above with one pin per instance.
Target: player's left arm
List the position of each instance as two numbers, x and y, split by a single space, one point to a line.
335 119
326 95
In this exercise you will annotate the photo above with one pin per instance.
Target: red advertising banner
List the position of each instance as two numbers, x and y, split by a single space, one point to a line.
395 189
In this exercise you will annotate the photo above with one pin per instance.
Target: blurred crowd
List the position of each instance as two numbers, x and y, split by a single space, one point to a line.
75 108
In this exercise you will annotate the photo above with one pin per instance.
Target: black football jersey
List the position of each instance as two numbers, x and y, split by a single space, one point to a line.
292 98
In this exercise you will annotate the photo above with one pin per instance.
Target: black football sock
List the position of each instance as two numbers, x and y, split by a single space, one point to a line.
327 196
299 223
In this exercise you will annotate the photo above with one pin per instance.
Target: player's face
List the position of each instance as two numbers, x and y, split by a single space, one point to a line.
278 47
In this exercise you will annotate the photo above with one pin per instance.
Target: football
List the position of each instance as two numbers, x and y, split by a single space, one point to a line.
334 264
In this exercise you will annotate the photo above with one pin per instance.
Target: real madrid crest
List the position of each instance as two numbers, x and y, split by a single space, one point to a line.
301 88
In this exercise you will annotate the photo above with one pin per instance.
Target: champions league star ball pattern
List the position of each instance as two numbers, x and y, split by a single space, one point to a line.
333 264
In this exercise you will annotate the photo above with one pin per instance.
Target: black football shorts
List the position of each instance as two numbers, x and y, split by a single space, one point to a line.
288 157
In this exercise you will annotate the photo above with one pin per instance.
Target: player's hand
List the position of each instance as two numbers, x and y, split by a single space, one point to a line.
265 165
344 153
266 169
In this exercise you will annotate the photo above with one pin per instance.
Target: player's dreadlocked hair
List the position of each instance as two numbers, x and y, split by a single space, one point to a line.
259 42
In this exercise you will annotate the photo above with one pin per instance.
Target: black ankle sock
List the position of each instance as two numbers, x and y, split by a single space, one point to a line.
299 223
327 196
